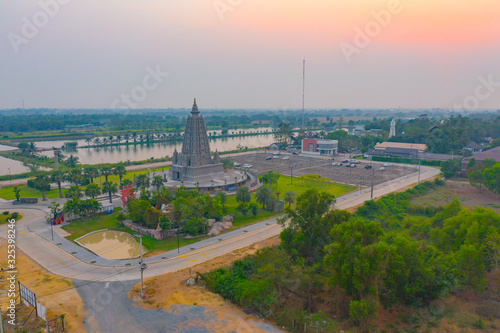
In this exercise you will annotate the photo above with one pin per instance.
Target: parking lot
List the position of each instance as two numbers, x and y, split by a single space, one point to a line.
301 164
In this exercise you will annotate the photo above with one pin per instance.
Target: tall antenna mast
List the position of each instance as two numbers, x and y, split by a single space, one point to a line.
303 93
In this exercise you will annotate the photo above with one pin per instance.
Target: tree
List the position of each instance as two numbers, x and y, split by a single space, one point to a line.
73 192
74 176
492 178
476 176
119 170
106 171
143 180
17 193
264 195
72 161
157 182
55 209
58 177
90 172
253 207
41 182
451 168
24 147
223 197
110 188
243 194
93 190
228 163
270 178
289 198
243 208
136 209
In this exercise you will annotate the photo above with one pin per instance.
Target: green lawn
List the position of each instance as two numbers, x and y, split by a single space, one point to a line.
7 193
4 218
299 186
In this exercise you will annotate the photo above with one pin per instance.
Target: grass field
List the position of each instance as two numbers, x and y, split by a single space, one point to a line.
7 193
5 218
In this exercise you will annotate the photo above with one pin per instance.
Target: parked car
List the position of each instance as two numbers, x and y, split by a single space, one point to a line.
247 166
286 158
348 165
382 169
345 161
386 165
295 153
269 158
276 156
353 165
368 167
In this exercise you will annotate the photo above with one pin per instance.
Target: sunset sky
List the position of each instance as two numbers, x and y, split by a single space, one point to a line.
248 53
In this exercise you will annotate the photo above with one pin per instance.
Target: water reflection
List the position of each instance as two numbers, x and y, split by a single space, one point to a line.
112 244
139 152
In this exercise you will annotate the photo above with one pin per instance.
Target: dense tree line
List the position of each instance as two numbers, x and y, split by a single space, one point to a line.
389 253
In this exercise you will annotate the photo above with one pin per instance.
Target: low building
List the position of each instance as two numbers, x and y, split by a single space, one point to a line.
320 147
386 144
493 153
473 147
393 152
276 146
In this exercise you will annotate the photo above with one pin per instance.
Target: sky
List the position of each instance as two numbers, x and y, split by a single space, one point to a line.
248 54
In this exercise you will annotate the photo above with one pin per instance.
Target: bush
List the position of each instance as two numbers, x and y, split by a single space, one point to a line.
15 215
120 217
5 213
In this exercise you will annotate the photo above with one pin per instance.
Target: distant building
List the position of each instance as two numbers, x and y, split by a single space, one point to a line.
392 131
393 152
493 153
276 146
473 147
320 147
359 130
386 144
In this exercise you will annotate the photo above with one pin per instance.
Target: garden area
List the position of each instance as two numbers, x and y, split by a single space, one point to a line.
6 216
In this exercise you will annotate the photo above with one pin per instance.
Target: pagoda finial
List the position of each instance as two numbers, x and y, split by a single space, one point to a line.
194 101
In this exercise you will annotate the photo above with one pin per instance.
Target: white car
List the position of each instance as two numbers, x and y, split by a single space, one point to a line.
382 169
236 164
247 166
386 165
286 158
276 156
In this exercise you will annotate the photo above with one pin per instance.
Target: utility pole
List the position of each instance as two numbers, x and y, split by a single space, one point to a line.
303 93
373 174
142 266
291 175
419 171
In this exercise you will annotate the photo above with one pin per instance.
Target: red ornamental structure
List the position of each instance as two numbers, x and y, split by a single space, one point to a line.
125 194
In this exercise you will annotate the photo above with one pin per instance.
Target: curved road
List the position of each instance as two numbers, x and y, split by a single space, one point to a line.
62 263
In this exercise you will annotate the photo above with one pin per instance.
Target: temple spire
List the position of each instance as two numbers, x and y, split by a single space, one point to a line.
195 110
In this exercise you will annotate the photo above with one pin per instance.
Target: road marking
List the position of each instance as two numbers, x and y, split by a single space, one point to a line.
192 260
22 232
181 256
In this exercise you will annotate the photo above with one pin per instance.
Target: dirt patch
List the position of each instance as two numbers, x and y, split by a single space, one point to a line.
55 293
470 197
170 291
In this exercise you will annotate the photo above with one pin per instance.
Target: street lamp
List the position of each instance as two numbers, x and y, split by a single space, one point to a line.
291 174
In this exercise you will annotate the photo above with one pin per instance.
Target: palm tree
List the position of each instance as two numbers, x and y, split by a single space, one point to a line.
118 139
126 137
243 194
289 198
157 182
72 161
93 190
223 197
110 188
88 141
58 176
119 170
97 141
90 172
106 171
74 176
126 182
134 136
141 138
264 195
73 192
143 180
41 182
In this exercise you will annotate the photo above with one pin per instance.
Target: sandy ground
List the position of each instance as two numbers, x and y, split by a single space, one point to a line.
168 292
56 294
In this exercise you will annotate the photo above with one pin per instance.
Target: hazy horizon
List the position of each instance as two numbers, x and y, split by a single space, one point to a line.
248 54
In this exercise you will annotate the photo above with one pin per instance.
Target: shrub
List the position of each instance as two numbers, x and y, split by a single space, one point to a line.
15 215
120 217
5 213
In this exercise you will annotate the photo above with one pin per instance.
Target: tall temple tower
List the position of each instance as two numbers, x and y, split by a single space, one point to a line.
392 131
194 162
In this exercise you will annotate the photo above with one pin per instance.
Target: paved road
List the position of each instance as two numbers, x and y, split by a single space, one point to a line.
62 263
